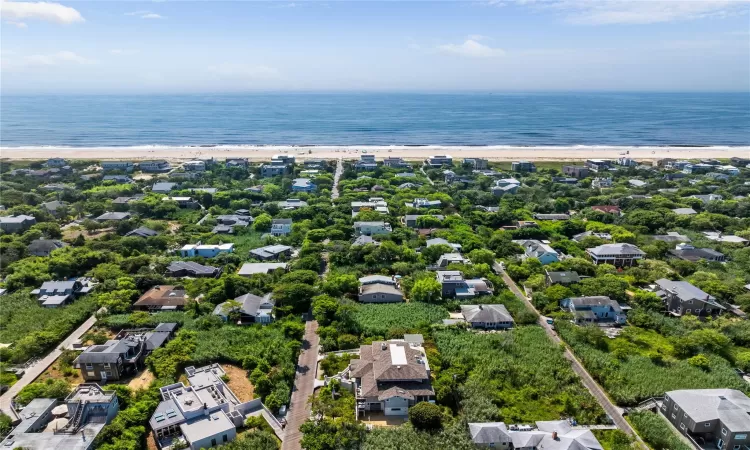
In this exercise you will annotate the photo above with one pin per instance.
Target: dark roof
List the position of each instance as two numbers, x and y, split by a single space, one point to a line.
191 267
155 340
486 313
108 352
563 277
45 245
114 216
696 254
142 232
166 327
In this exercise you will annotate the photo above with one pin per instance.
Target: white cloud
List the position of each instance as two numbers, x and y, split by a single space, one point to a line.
50 12
17 24
120 51
476 37
145 14
592 12
230 70
471 48
55 59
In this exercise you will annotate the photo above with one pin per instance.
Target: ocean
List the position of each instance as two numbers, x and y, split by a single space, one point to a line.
352 119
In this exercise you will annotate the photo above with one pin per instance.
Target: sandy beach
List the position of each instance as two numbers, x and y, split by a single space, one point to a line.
264 153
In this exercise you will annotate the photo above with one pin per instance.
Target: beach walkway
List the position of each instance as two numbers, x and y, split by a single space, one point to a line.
336 178
304 385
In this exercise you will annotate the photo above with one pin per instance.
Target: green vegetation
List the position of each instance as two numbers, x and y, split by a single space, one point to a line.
396 318
656 431
49 388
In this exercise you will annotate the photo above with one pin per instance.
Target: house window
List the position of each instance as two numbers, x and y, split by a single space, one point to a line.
687 311
674 416
109 373
213 442
682 426
707 424
740 437
89 366
224 438
723 431
674 406
106 365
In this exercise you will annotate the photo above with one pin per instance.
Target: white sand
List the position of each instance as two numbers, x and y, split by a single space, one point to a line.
263 153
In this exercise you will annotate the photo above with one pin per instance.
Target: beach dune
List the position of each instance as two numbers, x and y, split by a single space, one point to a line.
264 153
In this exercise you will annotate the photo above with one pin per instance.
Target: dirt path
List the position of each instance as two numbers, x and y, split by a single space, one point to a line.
239 383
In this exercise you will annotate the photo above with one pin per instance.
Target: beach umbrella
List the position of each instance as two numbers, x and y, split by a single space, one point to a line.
55 425
60 411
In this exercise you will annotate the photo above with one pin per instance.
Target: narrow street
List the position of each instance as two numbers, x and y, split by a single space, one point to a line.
588 381
336 178
36 369
304 381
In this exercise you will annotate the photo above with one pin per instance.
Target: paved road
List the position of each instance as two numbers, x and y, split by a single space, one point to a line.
336 178
593 387
36 369
304 382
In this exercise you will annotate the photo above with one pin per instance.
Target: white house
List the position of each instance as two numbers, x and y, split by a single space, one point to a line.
371 228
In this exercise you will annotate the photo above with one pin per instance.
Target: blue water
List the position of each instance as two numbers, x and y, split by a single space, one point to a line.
377 119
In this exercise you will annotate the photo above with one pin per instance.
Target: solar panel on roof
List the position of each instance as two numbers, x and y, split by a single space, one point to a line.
159 417
171 413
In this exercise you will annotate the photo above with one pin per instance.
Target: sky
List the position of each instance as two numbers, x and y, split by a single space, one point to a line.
122 47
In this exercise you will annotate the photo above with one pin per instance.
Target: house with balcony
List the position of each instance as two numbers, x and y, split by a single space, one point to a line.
710 418
157 166
389 377
395 162
718 236
377 204
194 166
681 297
578 172
600 310
251 309
111 166
697 168
523 166
477 163
53 294
281 227
455 285
278 166
88 409
619 255
113 360
598 165
447 259
423 203
205 250
366 162
601 182
241 163
439 160
371 228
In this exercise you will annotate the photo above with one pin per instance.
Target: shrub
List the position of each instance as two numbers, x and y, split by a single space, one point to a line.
426 416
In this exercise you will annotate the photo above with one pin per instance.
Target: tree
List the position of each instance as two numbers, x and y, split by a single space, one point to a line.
341 284
262 223
295 296
426 416
332 434
482 256
426 290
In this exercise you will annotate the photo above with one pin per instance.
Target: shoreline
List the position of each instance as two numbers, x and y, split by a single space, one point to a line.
407 152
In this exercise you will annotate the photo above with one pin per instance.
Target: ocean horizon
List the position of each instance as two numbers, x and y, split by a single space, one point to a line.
310 119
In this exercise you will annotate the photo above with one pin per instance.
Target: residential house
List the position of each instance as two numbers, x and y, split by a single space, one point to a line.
43 247
184 202
124 166
379 289
377 204
711 418
411 220
681 297
163 187
395 162
292 203
716 176
493 316
599 183
204 250
581 236
607 209
271 252
552 216
53 294
120 179
451 258
618 255
440 160
687 252
594 310
194 166
390 377
423 203
408 186
251 309
57 187
697 168
280 165
684 211
55 207
578 172
56 162
455 285
113 360
598 165
565 180
523 166
477 163
562 277
236 162
540 250
549 435
725 238
406 175
249 269
142 232
303 185
371 228
16 224
126 200
505 186
113 217
627 162
181 269
162 298
671 236
739 161
228 222
314 163
441 241
157 166
364 240
366 162
637 183
527 224
706 199
281 227
88 409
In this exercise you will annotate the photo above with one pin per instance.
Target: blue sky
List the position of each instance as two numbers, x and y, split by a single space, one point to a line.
531 45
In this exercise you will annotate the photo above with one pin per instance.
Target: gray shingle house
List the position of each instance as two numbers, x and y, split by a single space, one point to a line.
487 316
271 252
179 269
618 255
563 278
57 293
681 297
380 293
113 216
15 224
548 435
252 309
43 247
113 360
598 309
142 232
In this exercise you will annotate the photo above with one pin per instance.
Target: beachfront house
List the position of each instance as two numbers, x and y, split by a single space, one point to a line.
366 162
205 250
111 166
395 162
156 166
194 166
477 163
523 166
594 310
439 160
598 165
578 172
57 162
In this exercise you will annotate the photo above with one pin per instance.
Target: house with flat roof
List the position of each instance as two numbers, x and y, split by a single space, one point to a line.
249 269
236 162
113 360
125 166
163 187
16 224
725 238
598 165
377 204
303 185
594 310
491 316
162 298
43 247
271 252
441 241
451 258
552 216
292 203
57 162
477 163
601 182
251 309
455 285
423 203
681 297
411 220
687 252
204 250
548 435
439 160
715 418
523 166
277 167
390 377
181 269
618 255
53 294
88 409
281 227
226 223
156 166
578 172
372 228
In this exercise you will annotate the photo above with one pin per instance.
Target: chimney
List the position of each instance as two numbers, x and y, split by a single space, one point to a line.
554 435
205 409
383 346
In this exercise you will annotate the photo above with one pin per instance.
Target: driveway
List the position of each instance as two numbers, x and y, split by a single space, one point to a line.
304 382
36 369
